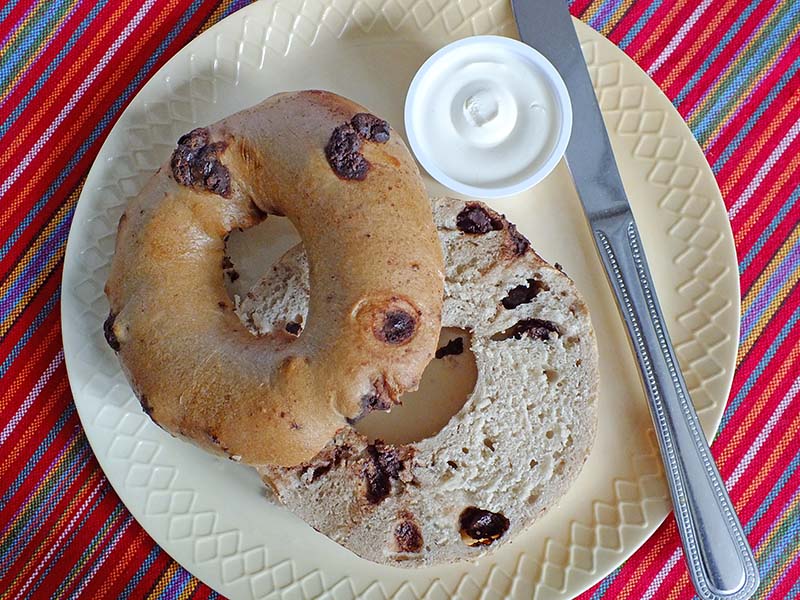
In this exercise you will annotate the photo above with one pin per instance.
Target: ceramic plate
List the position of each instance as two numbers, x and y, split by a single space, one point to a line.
211 515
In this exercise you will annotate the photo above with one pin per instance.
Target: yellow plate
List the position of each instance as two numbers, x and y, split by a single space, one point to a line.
210 515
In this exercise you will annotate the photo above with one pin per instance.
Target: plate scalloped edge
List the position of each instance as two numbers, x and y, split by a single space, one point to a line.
139 458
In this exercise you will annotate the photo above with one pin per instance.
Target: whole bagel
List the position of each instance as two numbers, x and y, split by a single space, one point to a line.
350 187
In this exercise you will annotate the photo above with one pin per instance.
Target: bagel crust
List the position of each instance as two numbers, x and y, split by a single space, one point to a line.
350 187
513 449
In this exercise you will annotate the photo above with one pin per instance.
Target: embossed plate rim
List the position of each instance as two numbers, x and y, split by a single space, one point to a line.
134 435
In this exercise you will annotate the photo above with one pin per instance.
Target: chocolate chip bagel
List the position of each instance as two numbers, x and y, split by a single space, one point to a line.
353 192
506 456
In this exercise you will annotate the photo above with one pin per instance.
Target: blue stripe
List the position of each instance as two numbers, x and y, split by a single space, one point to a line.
605 584
69 412
20 536
50 68
35 324
744 71
768 231
639 25
139 575
756 116
110 115
78 530
773 493
90 548
41 24
760 304
788 539
101 558
19 24
718 49
6 10
737 400
51 245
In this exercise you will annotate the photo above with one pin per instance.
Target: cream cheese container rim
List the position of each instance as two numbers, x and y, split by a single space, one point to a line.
563 126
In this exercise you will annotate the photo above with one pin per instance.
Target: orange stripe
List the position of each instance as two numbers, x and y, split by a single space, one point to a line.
690 55
742 431
767 198
121 563
647 560
20 72
658 32
744 95
614 19
22 378
766 467
755 147
161 584
216 15
64 78
28 566
88 113
735 62
34 14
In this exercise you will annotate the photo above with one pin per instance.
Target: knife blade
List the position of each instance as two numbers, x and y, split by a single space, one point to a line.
720 561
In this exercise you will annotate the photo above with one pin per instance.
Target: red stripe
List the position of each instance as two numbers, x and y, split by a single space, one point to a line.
704 84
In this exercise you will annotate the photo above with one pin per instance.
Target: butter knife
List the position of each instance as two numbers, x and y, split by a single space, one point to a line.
721 563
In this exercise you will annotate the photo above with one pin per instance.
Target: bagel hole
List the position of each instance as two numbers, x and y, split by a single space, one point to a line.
444 388
253 251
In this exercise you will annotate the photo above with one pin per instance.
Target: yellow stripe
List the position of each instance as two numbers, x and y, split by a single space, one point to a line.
773 265
34 14
743 96
776 527
216 15
615 18
35 54
766 466
743 430
161 585
22 300
646 562
691 54
62 81
772 308
711 93
658 32
767 198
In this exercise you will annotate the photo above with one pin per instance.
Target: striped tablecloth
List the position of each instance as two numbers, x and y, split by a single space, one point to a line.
67 70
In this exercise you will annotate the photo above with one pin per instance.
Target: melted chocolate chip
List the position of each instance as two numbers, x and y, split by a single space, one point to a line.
453 347
294 328
522 294
382 465
398 327
371 127
195 163
559 267
344 153
370 402
407 535
535 328
482 527
519 244
108 332
476 219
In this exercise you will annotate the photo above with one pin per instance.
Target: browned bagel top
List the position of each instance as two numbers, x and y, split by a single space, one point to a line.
350 187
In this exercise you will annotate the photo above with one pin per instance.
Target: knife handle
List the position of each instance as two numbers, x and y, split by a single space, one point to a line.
721 563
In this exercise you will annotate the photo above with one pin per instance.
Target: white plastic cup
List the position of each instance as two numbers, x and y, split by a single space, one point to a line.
493 120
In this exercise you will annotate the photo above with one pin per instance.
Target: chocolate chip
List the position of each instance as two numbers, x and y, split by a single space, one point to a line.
343 153
398 327
518 243
369 402
482 527
522 294
371 127
453 347
407 535
535 328
559 267
476 219
383 464
108 332
226 263
195 163
294 328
